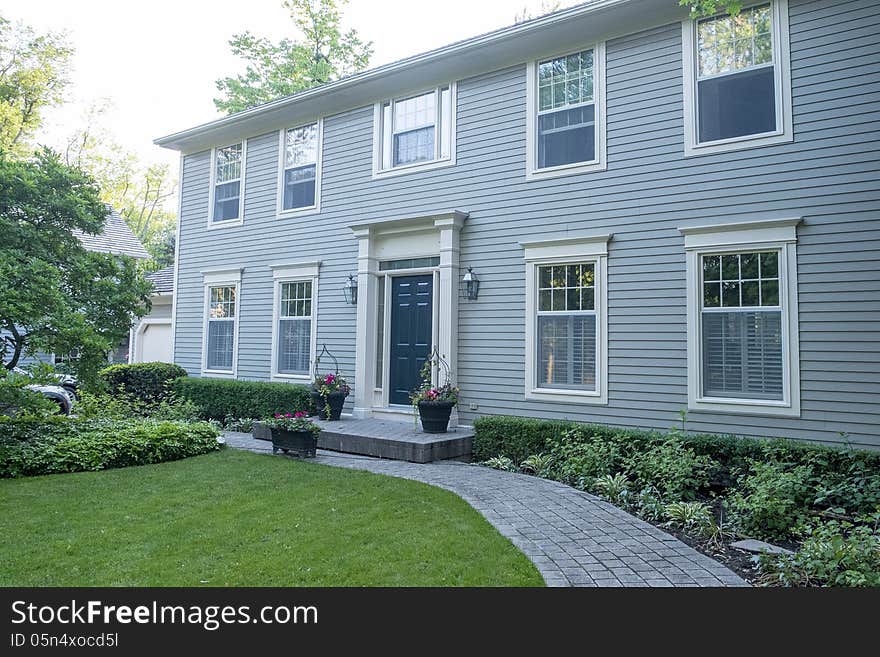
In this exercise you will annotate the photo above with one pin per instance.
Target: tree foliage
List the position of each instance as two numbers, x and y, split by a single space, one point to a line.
139 192
323 53
700 8
55 296
547 7
33 74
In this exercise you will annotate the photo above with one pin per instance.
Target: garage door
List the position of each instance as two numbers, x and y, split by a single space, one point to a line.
154 343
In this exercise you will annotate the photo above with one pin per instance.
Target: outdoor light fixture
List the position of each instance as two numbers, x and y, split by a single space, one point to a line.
351 290
470 285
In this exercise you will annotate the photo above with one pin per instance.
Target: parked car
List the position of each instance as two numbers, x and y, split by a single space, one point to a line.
57 394
63 394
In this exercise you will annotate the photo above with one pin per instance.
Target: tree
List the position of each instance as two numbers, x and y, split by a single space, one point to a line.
33 74
701 8
323 54
139 192
547 7
56 297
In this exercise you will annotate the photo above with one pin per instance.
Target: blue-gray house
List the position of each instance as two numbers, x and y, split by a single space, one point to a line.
662 213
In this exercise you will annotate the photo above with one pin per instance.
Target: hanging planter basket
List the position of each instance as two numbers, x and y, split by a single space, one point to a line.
329 390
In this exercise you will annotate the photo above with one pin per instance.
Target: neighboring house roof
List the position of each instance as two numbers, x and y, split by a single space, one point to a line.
163 280
116 238
543 36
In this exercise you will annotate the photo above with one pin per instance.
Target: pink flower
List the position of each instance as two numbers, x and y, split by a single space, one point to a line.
301 414
329 379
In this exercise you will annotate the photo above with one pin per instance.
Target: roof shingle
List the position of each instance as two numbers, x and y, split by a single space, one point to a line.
163 280
116 238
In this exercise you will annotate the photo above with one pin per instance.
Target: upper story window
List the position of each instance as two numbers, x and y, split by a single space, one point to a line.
300 168
566 114
227 189
416 131
737 82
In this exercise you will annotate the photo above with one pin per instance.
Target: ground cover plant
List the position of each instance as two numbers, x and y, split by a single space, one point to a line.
823 503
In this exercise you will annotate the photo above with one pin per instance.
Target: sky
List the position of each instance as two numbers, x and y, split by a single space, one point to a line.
156 61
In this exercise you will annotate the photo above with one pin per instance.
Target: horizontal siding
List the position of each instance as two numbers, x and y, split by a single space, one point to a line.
828 175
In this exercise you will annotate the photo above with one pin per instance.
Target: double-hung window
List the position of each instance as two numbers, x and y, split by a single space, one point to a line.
743 317
300 169
566 351
220 344
227 185
293 333
566 103
737 80
416 131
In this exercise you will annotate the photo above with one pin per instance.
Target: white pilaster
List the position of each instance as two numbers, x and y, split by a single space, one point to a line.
365 342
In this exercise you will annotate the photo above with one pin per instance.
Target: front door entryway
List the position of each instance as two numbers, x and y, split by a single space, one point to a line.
411 331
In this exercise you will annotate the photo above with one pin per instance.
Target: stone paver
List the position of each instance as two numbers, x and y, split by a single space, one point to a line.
572 537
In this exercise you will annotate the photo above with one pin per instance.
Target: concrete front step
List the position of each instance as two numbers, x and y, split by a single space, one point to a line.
389 439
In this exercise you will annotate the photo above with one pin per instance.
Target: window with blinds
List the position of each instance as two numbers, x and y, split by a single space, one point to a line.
741 317
221 328
566 326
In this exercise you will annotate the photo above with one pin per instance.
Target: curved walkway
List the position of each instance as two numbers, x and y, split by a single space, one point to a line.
574 538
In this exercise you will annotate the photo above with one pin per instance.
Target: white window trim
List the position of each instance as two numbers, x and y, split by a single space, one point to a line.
593 249
295 272
601 161
378 139
779 235
221 278
217 225
280 212
782 79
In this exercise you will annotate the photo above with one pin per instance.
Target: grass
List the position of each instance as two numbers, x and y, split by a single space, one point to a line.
239 519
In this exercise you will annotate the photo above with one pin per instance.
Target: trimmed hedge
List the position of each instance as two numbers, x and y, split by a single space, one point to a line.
36 447
144 381
516 438
219 398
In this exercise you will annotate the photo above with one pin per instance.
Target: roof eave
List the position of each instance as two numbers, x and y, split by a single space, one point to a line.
611 18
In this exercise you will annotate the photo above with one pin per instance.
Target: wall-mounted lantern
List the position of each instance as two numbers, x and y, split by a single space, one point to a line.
351 290
470 285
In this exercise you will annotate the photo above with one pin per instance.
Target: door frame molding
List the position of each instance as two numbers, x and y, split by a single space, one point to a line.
390 239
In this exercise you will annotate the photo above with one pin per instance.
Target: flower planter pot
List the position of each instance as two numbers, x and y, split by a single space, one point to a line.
435 415
335 400
302 443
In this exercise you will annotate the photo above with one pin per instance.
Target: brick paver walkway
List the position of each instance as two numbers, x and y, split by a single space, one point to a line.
574 538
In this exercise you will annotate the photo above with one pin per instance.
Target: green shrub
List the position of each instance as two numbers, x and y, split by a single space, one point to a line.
770 486
34 447
580 459
832 553
671 467
772 499
145 381
122 406
218 398
514 437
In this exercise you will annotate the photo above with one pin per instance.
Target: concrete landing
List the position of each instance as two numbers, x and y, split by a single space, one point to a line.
388 439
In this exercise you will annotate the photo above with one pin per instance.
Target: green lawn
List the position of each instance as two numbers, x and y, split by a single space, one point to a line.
239 519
